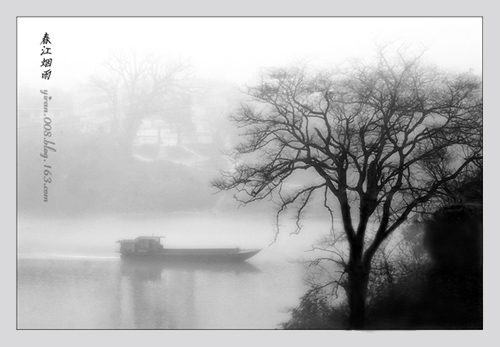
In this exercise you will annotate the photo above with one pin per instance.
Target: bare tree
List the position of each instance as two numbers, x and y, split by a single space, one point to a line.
385 138
136 87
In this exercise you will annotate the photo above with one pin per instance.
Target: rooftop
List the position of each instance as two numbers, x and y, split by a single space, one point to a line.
149 237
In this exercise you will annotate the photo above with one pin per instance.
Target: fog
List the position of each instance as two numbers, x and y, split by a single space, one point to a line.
178 145
124 139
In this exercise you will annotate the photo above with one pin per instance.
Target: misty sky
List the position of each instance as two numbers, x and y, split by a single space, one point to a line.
235 48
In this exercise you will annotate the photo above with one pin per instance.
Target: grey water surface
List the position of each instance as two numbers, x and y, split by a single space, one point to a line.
71 277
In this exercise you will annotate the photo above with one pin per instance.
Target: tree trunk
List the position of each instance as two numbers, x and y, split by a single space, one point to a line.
357 289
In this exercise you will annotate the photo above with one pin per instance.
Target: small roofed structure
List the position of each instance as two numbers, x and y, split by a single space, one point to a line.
142 244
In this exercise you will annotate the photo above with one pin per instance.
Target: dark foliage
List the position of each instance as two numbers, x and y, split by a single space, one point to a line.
407 293
314 312
454 238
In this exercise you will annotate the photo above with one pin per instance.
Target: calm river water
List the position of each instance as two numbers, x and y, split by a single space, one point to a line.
70 276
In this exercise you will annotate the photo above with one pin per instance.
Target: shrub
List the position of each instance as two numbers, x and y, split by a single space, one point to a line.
315 312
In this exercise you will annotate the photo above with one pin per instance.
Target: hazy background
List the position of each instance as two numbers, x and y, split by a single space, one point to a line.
223 55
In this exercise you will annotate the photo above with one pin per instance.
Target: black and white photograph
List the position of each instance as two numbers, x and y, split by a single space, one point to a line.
249 173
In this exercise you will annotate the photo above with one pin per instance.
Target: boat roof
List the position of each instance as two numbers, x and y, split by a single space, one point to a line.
141 238
149 237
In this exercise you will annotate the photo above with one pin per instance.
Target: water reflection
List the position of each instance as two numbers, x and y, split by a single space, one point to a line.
151 270
163 295
111 293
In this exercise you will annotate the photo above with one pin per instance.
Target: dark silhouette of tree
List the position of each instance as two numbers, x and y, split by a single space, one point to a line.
454 239
385 138
137 87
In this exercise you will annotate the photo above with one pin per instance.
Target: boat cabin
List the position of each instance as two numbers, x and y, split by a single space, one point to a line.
142 244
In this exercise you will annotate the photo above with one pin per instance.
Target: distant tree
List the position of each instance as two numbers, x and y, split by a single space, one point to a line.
386 138
137 87
178 114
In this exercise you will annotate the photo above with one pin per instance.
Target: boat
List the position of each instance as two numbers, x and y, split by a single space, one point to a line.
150 247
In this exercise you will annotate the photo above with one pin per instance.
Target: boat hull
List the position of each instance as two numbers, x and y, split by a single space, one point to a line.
193 255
